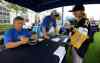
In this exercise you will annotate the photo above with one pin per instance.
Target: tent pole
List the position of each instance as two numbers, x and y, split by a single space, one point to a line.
62 15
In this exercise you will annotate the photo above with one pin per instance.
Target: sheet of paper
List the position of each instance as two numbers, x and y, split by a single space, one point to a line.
56 39
40 39
66 39
83 30
60 52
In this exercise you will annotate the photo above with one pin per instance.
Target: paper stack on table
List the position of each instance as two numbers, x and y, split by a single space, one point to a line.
66 39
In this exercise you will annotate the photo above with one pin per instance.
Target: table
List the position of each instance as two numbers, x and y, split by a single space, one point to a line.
28 54
39 53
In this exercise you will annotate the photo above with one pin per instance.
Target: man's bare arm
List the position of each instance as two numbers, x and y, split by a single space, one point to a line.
23 40
13 44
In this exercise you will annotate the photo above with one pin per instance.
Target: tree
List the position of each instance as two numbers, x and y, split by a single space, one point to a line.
14 8
17 8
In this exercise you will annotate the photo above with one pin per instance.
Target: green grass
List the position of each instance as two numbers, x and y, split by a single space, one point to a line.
93 53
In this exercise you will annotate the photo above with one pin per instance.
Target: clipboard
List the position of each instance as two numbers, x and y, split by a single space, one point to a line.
78 38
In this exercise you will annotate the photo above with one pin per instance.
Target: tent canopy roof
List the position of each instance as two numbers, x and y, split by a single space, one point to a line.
42 5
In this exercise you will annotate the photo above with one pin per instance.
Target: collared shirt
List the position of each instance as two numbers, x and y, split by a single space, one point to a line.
49 22
13 36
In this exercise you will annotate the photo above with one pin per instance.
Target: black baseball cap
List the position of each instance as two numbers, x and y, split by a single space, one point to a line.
77 8
54 13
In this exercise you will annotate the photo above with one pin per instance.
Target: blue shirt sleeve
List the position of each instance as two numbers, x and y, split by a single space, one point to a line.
29 34
45 22
7 37
54 23
11 36
26 33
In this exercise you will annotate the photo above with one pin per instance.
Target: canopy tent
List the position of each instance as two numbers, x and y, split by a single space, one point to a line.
42 5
